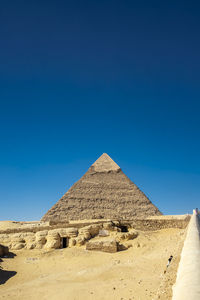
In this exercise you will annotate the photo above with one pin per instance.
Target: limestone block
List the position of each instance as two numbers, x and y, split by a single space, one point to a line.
17 240
30 239
53 239
52 244
121 247
41 233
93 229
80 240
53 233
117 229
41 240
29 235
7 244
17 246
124 246
105 245
68 232
83 230
128 244
72 242
30 246
108 226
121 236
103 232
39 245
86 235
5 238
16 235
132 234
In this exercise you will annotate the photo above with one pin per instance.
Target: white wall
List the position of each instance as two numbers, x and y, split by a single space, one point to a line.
187 285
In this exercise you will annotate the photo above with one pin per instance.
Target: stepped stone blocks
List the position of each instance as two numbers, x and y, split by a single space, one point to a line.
103 192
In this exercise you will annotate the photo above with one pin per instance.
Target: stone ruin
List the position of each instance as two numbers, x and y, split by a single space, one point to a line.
68 237
100 235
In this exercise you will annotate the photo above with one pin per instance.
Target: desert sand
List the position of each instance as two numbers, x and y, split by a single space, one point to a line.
78 274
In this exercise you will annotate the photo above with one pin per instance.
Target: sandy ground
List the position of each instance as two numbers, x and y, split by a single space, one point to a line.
9 225
77 274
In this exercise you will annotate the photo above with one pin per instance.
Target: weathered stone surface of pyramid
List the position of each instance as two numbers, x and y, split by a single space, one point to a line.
103 192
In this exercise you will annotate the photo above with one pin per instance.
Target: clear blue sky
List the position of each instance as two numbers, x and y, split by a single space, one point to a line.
79 78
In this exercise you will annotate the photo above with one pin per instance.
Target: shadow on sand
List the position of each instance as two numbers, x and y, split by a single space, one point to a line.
5 275
9 255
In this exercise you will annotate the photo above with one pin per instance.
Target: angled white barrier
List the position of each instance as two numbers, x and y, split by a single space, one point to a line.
187 286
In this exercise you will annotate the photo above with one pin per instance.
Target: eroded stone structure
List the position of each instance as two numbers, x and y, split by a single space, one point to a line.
103 235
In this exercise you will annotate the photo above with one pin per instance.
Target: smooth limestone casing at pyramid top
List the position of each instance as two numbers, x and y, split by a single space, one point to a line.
103 192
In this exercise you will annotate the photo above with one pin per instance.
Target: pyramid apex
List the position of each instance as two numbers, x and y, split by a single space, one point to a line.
105 164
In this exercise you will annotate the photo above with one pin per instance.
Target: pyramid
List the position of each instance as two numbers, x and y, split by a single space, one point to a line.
104 191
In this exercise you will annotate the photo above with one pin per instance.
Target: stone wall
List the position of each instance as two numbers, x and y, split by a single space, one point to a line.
157 224
52 225
47 239
187 285
50 238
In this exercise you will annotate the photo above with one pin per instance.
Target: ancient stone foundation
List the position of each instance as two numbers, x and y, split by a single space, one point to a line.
102 235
